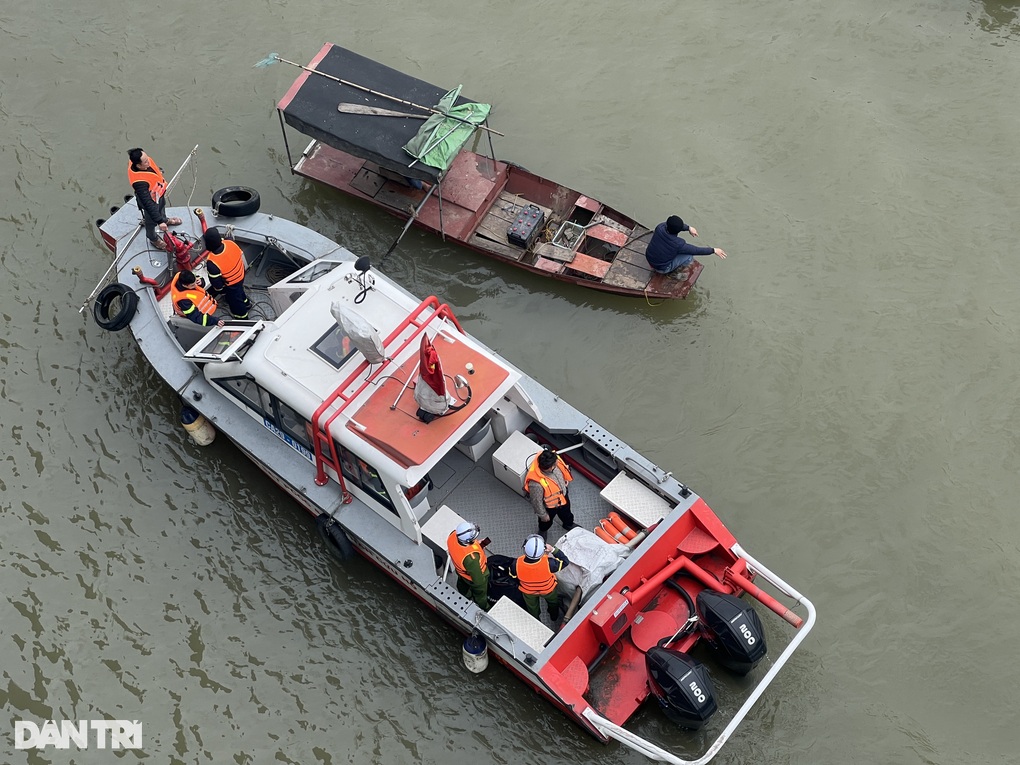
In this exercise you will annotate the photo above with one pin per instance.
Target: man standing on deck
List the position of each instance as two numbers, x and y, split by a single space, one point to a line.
536 572
668 254
546 486
469 559
226 272
150 189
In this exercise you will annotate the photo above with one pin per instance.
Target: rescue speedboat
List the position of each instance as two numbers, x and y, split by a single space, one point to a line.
323 387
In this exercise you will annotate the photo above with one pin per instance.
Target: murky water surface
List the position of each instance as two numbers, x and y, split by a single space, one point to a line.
841 389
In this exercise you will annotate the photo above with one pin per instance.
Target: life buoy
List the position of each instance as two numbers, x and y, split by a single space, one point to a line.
236 201
115 306
601 534
611 530
333 536
621 524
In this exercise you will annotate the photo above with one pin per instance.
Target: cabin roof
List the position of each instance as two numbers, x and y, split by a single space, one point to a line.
370 408
310 106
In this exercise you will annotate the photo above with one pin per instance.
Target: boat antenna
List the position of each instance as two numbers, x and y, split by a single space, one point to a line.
272 58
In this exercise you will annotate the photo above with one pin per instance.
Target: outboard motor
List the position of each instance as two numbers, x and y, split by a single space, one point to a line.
733 629
682 687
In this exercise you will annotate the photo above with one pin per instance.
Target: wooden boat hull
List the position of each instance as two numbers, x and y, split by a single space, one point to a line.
480 199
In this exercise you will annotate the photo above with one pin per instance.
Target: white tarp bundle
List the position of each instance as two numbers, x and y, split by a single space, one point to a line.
591 559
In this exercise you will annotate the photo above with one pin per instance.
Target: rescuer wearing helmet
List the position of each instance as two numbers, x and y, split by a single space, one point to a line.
546 486
536 574
468 557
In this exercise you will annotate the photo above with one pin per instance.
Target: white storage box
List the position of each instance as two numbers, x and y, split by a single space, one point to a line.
510 462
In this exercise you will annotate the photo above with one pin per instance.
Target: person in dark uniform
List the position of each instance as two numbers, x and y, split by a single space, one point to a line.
226 272
192 301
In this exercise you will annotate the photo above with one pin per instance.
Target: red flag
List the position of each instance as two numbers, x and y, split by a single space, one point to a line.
430 369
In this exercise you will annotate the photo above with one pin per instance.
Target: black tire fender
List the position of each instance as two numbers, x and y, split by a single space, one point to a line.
115 306
334 538
236 201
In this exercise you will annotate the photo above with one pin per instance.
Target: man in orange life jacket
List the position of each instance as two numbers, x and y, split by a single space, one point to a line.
546 486
150 188
469 558
192 301
536 573
226 272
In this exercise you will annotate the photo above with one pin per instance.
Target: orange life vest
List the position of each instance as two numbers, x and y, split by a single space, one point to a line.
230 262
535 577
153 176
459 552
199 298
554 497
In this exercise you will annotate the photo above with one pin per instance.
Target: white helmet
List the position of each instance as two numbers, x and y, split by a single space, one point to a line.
467 532
534 546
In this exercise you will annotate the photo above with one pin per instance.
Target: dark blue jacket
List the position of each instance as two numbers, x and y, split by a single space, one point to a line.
667 251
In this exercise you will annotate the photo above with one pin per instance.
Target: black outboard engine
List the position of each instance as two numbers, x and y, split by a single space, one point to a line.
733 629
682 687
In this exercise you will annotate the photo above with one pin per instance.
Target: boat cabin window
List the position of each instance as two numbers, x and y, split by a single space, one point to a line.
281 419
334 346
249 392
364 476
225 343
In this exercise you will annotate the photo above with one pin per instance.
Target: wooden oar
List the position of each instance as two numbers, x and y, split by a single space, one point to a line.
273 58
377 111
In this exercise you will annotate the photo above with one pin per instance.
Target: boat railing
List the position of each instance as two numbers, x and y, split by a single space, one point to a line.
657 753
322 442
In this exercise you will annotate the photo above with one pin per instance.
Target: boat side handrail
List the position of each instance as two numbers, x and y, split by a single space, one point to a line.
657 753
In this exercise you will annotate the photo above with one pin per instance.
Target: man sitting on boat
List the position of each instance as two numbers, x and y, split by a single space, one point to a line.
192 301
668 254
546 486
469 559
536 572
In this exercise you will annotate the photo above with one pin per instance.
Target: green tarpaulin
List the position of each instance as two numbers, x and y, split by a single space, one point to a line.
443 135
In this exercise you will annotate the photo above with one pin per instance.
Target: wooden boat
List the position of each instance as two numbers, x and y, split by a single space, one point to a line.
320 389
360 114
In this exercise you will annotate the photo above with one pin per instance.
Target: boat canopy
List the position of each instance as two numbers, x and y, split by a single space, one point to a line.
311 106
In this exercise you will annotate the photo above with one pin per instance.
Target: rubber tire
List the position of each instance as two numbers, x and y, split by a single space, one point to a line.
104 302
236 202
334 538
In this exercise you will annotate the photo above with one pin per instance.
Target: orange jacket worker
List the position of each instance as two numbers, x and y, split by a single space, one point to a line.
536 574
149 185
470 561
192 301
226 272
546 486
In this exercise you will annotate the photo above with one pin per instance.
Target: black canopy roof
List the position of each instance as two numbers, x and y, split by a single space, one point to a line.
310 106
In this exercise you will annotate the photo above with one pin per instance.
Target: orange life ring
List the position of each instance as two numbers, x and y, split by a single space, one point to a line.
601 534
621 524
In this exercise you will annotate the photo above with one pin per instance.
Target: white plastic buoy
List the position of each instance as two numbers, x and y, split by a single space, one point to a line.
199 428
476 652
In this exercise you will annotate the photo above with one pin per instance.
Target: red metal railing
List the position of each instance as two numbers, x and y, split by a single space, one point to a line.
321 429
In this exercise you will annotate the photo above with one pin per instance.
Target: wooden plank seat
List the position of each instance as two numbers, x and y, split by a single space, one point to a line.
585 264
